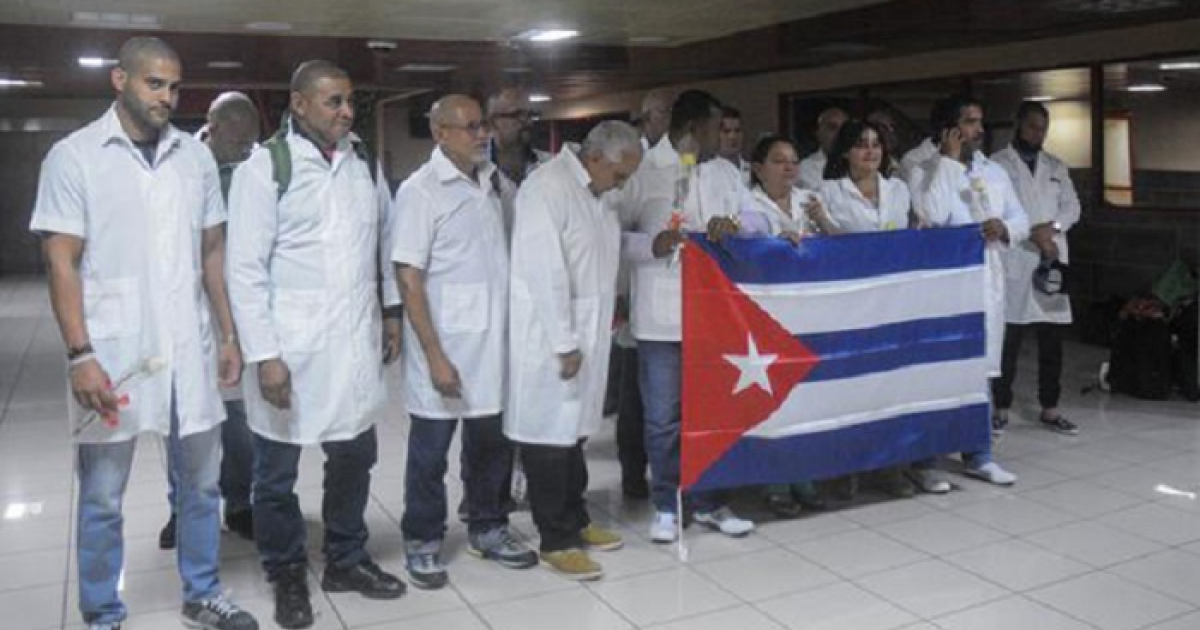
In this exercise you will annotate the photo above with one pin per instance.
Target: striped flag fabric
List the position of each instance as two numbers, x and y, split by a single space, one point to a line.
842 354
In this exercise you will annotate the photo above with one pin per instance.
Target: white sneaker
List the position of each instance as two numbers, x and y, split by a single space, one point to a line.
929 481
664 529
725 521
991 472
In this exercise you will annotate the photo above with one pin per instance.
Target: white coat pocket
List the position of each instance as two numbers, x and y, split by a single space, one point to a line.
668 300
112 308
300 319
464 307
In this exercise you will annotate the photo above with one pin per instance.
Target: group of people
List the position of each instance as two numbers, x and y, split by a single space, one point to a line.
282 279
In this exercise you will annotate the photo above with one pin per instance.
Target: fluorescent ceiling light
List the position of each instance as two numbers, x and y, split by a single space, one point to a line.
1146 87
426 67
549 35
1040 99
539 98
224 65
113 19
96 62
1179 65
19 83
269 26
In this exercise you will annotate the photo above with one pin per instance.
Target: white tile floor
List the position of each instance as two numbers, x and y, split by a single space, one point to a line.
1091 537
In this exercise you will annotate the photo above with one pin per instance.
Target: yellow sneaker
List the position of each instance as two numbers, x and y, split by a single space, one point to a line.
573 564
600 539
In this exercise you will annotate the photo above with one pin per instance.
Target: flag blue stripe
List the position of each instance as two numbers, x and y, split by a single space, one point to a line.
871 446
845 256
850 353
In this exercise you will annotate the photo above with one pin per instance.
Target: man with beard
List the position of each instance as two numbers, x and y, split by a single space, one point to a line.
131 213
1044 186
961 187
303 275
510 115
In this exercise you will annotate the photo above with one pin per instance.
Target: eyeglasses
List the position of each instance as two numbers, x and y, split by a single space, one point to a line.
474 127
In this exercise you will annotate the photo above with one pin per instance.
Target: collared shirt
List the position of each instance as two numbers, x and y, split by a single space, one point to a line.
795 220
812 170
142 270
303 278
450 226
646 205
850 211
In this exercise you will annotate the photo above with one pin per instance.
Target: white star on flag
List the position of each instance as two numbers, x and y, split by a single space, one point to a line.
753 367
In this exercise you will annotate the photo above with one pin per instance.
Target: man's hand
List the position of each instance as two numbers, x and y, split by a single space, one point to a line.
275 382
91 387
391 339
721 228
995 230
570 364
666 242
792 236
952 143
230 363
1042 235
445 376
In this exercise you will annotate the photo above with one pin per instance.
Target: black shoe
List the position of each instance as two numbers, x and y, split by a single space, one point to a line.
635 488
166 538
1060 424
365 578
805 493
241 523
292 606
999 422
783 505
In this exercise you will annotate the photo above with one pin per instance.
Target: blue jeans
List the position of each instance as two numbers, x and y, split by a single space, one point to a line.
488 488
279 530
661 379
237 460
103 474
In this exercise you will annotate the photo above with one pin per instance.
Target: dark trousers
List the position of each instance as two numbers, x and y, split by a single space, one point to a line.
279 528
631 423
489 456
1050 363
558 479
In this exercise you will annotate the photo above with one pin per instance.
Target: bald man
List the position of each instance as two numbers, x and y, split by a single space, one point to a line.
451 257
655 118
303 271
812 168
131 215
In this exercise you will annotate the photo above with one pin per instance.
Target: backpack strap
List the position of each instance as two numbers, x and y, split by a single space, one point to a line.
281 158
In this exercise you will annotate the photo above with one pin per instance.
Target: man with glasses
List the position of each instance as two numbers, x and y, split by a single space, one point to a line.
510 115
451 257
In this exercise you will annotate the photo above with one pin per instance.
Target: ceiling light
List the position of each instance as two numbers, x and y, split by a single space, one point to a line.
381 45
19 83
1146 87
224 65
426 67
1040 99
269 26
1179 65
539 98
96 62
112 19
548 35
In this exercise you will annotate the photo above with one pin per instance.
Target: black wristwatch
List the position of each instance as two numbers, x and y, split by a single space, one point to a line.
74 352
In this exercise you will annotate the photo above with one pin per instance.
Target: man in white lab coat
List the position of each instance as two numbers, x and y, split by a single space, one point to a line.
713 194
565 253
303 276
1044 186
451 256
961 187
812 168
133 224
732 138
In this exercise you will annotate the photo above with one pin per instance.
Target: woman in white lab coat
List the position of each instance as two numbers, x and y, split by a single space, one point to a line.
790 212
859 196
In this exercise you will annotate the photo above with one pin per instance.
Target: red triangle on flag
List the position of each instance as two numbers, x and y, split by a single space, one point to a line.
739 364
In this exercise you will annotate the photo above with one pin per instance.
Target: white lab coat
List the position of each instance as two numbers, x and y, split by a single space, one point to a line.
779 222
850 211
566 249
812 170
948 193
1048 195
143 292
646 204
916 157
303 277
452 228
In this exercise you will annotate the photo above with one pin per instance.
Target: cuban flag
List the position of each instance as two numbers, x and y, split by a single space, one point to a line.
846 353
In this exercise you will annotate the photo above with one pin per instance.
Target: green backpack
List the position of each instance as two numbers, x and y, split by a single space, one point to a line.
281 158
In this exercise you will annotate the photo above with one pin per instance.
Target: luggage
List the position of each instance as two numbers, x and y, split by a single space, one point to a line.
1142 361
